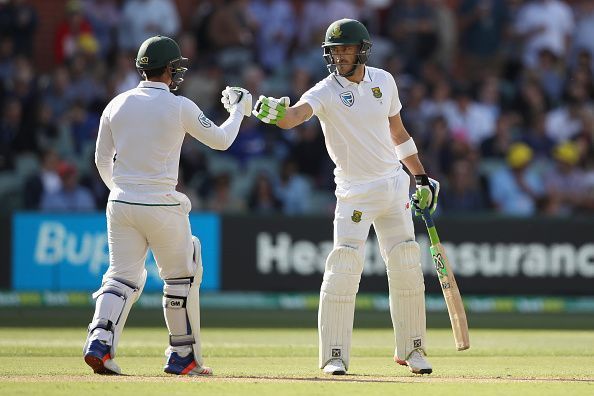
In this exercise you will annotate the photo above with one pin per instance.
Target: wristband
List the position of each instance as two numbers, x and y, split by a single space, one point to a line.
406 149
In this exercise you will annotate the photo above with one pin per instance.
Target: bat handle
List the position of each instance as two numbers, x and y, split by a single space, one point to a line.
427 217
430 227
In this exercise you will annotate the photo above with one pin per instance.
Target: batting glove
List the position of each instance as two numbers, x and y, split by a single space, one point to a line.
237 99
271 110
426 194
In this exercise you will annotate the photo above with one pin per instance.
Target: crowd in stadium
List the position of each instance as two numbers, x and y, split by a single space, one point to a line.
498 95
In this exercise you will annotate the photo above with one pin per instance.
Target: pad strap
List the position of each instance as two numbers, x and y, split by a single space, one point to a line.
104 324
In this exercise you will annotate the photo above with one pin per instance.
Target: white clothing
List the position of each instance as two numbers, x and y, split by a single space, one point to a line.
475 124
132 228
140 137
142 19
558 22
383 203
354 119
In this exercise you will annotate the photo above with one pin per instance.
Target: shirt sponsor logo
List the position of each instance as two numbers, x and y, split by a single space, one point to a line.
347 98
206 123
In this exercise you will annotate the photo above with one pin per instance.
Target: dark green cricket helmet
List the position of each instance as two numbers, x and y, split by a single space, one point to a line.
346 32
158 52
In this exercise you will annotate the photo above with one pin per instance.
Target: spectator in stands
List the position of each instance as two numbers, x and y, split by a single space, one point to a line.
72 197
412 27
221 199
292 189
497 146
142 19
565 183
104 17
482 25
462 192
46 182
262 199
544 24
23 18
536 137
276 29
517 189
468 119
73 33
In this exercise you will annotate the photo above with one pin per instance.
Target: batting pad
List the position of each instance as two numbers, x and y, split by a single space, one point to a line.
113 303
181 308
337 304
407 298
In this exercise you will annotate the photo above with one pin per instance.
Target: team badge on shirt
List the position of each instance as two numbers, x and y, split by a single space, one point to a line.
347 98
377 92
206 123
356 217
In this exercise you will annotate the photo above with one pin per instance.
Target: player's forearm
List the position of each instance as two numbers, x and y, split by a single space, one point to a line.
225 134
291 120
413 163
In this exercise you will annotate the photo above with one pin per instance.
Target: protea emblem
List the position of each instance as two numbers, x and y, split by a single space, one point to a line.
377 92
347 98
336 32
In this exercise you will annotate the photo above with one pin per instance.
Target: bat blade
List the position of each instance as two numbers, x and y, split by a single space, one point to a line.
451 293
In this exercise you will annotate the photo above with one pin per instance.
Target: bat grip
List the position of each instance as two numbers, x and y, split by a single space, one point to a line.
427 218
433 237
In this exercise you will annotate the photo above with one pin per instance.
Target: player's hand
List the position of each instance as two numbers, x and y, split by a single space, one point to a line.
426 194
237 99
271 110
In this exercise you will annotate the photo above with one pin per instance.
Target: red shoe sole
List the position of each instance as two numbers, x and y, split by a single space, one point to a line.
97 365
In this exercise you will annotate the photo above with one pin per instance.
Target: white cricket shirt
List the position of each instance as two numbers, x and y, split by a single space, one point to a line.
140 137
354 119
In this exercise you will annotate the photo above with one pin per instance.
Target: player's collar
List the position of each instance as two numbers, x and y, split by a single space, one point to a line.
153 84
343 81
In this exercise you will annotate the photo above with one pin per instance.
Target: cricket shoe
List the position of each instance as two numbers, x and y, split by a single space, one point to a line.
97 355
335 367
416 362
185 365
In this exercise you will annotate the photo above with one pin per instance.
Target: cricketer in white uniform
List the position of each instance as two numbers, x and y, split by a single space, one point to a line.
137 154
359 111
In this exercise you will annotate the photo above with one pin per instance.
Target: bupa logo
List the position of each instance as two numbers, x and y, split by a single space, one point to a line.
347 98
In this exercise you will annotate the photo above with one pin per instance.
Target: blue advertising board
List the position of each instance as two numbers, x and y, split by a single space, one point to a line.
69 252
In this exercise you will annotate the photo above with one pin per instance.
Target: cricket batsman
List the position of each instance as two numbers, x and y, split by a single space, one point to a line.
359 111
137 154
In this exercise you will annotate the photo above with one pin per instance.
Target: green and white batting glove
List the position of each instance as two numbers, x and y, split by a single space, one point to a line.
271 110
237 99
426 194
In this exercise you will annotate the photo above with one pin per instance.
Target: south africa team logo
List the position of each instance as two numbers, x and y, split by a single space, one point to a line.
347 98
335 32
206 123
377 92
356 217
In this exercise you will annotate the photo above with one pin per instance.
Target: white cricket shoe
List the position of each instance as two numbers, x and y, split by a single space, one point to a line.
417 363
335 367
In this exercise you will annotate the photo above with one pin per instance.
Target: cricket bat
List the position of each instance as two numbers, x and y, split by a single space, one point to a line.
450 290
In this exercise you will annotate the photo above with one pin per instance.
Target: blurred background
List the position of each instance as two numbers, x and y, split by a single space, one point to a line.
498 95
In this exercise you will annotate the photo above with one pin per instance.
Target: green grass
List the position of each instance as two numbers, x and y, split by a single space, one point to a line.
281 361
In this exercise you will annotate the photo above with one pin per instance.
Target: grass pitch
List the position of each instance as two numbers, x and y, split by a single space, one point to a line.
248 361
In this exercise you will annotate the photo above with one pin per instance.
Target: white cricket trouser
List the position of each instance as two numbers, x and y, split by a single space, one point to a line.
384 203
132 228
